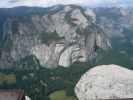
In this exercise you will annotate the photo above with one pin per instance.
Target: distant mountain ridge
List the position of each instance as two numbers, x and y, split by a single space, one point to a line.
59 35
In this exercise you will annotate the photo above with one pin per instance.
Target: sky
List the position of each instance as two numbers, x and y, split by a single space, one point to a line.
46 3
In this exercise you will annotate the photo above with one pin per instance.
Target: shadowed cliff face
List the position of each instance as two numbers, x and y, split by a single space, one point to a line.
59 37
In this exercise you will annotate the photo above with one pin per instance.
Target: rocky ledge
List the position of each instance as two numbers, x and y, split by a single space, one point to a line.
105 82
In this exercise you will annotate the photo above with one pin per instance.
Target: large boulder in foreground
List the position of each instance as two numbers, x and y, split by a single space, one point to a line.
105 82
27 98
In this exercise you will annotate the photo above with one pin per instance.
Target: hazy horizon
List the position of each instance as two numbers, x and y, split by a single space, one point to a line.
44 3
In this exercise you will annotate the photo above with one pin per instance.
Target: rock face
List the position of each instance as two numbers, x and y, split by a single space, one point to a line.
59 36
89 12
27 98
105 82
114 21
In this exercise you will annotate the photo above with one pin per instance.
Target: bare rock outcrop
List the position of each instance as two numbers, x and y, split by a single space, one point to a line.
59 37
27 98
105 82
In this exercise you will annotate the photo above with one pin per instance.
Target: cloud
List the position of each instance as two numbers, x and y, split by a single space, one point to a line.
42 3
46 3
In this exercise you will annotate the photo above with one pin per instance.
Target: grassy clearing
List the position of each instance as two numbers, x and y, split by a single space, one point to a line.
9 79
61 95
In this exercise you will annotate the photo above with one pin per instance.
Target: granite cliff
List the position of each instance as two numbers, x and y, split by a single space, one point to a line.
58 35
105 82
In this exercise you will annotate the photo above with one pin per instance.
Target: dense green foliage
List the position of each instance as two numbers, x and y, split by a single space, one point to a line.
28 62
85 32
39 83
49 37
7 46
15 27
121 52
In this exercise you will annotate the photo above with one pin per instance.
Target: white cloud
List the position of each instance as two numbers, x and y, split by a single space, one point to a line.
45 3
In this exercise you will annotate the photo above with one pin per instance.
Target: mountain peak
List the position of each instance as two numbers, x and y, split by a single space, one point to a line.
55 36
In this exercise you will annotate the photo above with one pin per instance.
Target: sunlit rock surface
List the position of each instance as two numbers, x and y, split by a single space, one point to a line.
75 37
105 82
27 98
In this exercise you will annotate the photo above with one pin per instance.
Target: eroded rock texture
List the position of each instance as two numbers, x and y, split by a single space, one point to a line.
58 37
105 82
